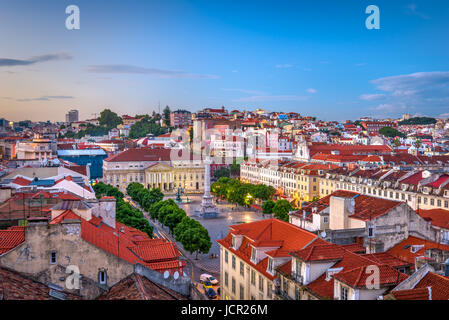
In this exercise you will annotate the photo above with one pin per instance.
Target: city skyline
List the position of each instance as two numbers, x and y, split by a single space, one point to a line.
317 60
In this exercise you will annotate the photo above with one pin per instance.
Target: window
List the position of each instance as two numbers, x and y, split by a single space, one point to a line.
102 277
253 254
269 289
53 257
226 256
370 231
343 293
233 262
253 277
226 279
326 219
260 283
270 265
242 269
297 293
242 293
233 285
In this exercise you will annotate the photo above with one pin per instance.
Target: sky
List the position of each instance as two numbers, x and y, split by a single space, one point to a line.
316 58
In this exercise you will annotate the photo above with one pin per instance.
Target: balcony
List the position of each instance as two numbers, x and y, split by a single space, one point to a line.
281 294
297 278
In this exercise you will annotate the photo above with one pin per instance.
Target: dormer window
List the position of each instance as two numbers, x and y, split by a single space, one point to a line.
233 242
270 268
253 254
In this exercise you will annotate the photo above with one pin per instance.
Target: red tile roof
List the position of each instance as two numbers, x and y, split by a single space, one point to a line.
137 287
21 181
366 207
438 284
437 217
127 243
412 294
15 286
386 258
320 253
11 238
403 249
142 154
270 232
359 277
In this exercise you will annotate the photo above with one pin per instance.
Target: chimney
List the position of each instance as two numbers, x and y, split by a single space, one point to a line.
108 210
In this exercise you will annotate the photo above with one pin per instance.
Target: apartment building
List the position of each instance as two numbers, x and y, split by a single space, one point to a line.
421 189
349 217
180 118
324 271
298 181
166 169
250 254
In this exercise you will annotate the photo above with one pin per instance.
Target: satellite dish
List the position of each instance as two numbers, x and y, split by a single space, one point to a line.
176 275
323 234
166 274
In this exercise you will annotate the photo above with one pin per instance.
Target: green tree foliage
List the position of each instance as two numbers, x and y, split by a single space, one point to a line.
125 213
391 132
166 113
267 207
235 168
89 130
222 172
418 120
192 235
281 209
109 119
243 194
146 126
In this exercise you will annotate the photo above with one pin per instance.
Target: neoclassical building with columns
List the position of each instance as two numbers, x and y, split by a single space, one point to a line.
154 168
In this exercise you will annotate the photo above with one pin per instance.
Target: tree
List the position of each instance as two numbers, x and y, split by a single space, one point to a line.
417 143
174 218
267 207
109 119
235 168
391 132
396 142
281 209
264 192
193 236
222 172
167 112
418 120
146 126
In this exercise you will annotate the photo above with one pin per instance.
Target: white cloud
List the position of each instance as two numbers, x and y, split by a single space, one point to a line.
265 98
427 92
129 69
311 90
371 97
283 66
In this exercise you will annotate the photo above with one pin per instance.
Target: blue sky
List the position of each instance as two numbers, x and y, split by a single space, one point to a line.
312 57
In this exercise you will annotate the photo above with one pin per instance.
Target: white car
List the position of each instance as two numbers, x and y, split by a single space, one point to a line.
207 277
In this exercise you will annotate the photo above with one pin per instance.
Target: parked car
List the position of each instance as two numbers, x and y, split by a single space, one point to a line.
211 294
207 285
207 277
